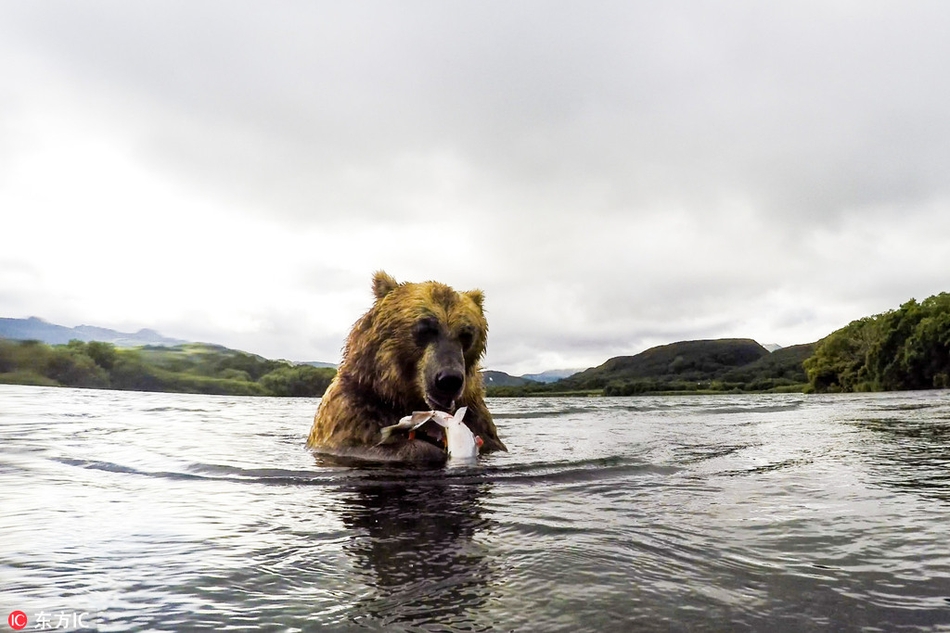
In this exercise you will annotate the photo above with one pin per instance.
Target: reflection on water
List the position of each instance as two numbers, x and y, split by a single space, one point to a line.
412 538
744 513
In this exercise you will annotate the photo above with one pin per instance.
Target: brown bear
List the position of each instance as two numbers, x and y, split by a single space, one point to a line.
418 348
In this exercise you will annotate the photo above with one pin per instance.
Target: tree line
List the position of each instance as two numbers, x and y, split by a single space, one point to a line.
189 368
907 348
902 349
687 367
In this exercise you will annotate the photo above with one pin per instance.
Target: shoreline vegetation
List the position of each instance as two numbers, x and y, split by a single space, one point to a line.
903 349
185 368
688 367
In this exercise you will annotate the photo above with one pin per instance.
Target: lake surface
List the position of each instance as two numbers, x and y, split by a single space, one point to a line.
762 513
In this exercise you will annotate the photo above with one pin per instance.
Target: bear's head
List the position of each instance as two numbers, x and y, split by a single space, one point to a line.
419 346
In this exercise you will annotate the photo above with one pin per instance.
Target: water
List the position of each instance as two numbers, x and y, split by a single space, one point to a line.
764 513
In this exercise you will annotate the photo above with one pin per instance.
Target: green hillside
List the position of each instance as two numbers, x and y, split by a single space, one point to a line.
493 378
688 361
186 368
784 366
706 366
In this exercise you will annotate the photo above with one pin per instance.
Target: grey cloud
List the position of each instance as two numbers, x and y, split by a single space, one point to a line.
628 172
316 109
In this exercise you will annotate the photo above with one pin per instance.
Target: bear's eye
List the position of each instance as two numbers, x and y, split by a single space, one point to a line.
425 331
466 338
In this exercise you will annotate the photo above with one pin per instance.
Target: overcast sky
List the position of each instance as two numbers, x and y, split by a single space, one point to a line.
614 175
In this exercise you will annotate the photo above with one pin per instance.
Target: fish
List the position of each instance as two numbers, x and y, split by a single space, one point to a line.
389 434
460 443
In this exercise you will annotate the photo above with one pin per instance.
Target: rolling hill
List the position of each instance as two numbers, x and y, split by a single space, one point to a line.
494 378
686 361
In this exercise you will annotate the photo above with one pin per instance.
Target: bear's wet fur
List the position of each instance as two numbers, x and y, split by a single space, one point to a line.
418 348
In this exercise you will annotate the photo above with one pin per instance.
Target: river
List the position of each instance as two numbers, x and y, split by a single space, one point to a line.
126 511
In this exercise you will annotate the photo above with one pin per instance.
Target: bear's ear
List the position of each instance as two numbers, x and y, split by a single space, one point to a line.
383 284
478 297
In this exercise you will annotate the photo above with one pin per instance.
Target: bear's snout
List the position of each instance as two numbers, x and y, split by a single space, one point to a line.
444 374
444 387
449 383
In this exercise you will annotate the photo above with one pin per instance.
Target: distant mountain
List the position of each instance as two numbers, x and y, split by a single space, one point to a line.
318 364
772 347
552 375
501 379
783 363
683 361
37 329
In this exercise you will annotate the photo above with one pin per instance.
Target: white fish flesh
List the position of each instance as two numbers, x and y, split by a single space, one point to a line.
460 443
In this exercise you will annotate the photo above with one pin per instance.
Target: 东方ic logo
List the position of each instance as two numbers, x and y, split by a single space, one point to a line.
64 620
17 620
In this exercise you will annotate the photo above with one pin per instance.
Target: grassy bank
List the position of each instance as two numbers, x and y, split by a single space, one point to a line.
188 368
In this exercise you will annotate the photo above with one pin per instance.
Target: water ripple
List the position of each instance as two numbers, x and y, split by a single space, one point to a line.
747 513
